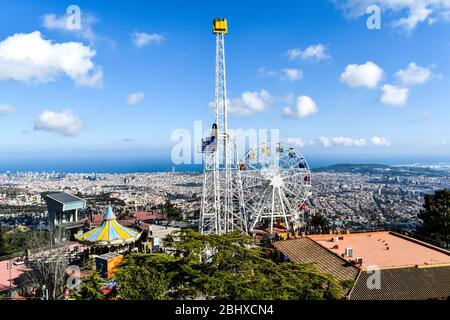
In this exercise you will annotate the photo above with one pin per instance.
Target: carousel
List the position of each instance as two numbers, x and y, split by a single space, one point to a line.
109 236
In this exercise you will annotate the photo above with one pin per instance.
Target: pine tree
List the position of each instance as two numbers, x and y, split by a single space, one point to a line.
172 212
436 217
91 285
141 283
3 245
220 267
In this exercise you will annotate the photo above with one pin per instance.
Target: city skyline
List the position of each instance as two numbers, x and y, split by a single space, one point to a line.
118 87
213 152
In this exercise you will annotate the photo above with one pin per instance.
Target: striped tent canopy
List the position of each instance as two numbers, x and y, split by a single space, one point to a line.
109 233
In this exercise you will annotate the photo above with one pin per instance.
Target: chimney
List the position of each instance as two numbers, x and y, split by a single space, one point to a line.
349 252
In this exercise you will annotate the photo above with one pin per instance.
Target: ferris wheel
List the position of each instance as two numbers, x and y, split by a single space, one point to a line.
276 184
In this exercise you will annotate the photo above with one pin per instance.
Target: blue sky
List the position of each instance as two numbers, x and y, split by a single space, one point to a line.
311 69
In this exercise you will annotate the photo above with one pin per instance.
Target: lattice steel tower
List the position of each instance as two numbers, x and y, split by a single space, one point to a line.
222 207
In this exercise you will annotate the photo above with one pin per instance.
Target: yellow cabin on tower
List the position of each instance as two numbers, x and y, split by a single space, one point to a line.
220 26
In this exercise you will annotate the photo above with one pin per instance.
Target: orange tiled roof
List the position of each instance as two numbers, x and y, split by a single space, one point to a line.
385 249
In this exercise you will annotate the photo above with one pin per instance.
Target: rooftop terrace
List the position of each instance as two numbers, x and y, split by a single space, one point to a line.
384 249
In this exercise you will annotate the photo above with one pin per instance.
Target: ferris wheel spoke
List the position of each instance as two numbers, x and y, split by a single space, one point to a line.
281 196
273 209
293 193
293 185
296 185
283 207
258 196
255 175
294 182
298 192
291 209
253 195
258 208
254 186
288 203
304 173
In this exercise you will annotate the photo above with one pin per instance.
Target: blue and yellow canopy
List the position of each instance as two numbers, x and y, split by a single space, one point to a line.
109 233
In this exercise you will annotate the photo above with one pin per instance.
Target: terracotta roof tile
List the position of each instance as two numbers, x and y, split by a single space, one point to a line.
307 251
405 284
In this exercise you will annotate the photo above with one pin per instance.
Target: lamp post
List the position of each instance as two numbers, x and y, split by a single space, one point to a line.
9 266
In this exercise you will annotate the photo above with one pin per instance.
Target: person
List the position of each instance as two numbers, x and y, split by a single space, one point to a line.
66 293
44 293
150 231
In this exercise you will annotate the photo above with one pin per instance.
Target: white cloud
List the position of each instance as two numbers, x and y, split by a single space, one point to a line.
414 75
380 141
348 142
417 14
289 74
51 21
339 141
135 98
313 52
305 107
141 39
408 14
325 142
292 74
363 75
30 58
264 72
394 95
249 103
7 109
64 123
297 141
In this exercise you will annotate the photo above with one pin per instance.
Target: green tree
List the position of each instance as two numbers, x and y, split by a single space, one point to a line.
141 283
436 217
224 267
172 212
319 220
91 285
3 243
19 242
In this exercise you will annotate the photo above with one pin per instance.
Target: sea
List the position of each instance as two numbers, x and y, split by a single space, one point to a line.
162 164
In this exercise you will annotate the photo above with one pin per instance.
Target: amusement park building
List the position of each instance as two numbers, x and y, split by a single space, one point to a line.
110 234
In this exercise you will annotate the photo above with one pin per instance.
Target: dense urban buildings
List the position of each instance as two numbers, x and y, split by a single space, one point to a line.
364 198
